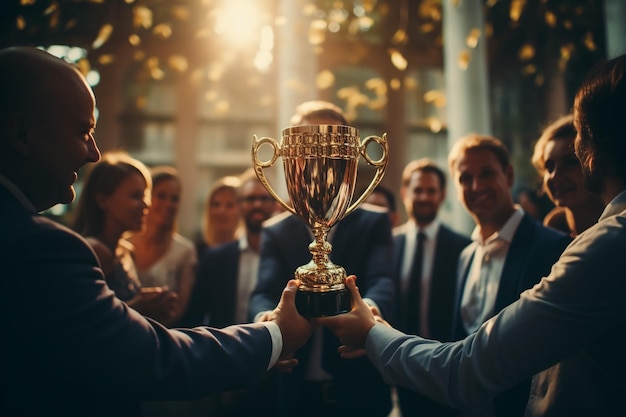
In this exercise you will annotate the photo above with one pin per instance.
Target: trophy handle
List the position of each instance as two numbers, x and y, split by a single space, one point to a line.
259 165
380 164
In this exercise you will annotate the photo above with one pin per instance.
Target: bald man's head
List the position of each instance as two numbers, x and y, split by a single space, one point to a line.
46 124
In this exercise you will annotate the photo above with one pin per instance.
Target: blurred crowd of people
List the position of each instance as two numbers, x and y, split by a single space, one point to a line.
420 277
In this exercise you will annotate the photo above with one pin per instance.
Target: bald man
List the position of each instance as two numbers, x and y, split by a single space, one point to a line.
70 346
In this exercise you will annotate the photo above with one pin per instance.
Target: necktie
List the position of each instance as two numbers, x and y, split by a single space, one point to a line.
415 283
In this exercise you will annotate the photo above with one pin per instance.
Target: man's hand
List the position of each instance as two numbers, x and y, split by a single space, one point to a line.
351 328
294 328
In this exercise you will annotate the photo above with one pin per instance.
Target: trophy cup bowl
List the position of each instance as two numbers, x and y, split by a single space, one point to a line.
320 165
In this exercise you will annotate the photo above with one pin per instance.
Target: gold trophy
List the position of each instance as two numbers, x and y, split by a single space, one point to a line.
320 164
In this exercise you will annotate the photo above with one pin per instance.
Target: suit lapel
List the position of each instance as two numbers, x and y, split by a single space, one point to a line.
399 243
514 263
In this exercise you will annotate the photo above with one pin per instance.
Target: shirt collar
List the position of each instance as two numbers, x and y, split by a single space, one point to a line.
430 230
615 206
243 242
17 193
507 231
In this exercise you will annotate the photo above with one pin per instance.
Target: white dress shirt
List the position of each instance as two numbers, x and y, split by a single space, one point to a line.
248 273
483 280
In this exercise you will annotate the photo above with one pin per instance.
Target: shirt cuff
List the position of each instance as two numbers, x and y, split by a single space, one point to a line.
372 303
277 341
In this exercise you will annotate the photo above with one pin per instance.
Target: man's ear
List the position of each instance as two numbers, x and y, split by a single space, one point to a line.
17 132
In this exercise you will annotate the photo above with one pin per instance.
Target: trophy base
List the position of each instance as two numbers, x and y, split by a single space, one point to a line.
322 304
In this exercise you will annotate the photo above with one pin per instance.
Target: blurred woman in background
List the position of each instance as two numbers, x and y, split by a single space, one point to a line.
114 201
563 180
163 257
221 220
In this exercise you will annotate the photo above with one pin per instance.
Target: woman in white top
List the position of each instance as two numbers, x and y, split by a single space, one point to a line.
163 257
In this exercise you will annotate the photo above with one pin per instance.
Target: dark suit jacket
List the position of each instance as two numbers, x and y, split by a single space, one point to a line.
213 300
442 292
362 244
533 251
442 289
72 348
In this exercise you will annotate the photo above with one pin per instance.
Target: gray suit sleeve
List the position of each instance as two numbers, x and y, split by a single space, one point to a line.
567 312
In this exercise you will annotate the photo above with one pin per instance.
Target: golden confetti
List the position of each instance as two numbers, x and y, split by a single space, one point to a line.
526 52
395 84
178 62
436 97
473 37
317 32
134 39
142 17
410 83
516 9
27 2
434 124
488 29
222 107
400 37
491 3
550 19
539 80
430 9
103 36
397 59
106 59
162 30
309 9
567 24
70 24
369 5
83 66
54 19
157 73
427 28
589 42
464 59
325 79
181 12
20 23
377 85
54 6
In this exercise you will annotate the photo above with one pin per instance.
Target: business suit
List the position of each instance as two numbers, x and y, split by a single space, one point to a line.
442 291
448 246
362 244
213 301
533 251
563 331
72 348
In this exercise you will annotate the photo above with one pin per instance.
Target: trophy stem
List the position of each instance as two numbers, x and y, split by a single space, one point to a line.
322 291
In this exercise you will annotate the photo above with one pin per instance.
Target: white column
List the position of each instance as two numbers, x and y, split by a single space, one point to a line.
186 153
615 27
467 89
296 72
296 61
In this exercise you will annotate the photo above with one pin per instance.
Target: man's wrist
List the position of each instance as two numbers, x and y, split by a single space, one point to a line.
277 341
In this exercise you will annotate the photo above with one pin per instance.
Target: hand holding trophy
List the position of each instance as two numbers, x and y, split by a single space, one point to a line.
320 164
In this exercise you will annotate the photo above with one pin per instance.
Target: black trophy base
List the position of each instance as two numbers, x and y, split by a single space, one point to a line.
322 304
